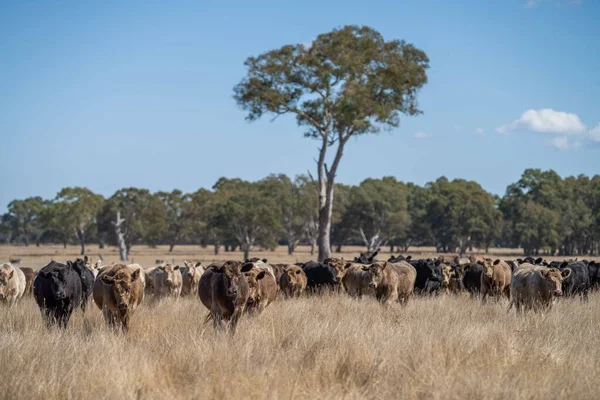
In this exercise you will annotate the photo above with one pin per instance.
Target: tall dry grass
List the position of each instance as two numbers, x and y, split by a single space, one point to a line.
327 347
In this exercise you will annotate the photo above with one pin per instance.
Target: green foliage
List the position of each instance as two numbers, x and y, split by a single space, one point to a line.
349 79
25 218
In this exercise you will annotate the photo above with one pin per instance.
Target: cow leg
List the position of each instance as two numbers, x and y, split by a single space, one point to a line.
484 297
234 319
109 318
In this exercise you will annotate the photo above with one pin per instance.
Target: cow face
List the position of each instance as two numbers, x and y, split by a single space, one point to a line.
293 273
447 274
168 274
338 267
122 289
554 278
252 277
5 276
232 276
375 273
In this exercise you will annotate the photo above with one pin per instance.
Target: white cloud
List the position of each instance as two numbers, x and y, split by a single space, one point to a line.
563 143
546 120
422 135
567 130
560 142
479 131
594 134
457 128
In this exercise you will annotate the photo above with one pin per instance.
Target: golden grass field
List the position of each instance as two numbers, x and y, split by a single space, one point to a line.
326 347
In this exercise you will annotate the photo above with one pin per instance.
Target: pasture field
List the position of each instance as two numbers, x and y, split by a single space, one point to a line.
325 347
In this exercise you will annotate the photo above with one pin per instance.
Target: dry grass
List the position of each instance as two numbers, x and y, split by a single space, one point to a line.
327 347
318 347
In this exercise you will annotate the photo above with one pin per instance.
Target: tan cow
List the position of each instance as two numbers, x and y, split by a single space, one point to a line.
12 284
392 281
190 275
293 281
535 288
356 280
29 275
167 281
149 274
262 289
118 292
495 279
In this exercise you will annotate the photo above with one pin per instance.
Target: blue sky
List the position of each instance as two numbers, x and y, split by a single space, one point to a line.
114 94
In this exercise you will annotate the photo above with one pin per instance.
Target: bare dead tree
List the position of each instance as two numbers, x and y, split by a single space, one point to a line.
120 236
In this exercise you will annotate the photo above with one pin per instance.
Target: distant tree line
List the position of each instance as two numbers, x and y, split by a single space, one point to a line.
541 213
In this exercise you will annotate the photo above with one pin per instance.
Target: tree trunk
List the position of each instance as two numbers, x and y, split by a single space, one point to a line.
217 246
291 248
338 248
64 245
246 250
123 248
323 240
171 246
312 248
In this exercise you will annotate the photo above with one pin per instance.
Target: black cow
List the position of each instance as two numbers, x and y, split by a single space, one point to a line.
57 291
533 261
594 272
578 282
367 257
472 277
87 279
429 276
393 259
320 276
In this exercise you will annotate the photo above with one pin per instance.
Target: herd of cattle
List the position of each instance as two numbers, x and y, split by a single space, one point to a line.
230 289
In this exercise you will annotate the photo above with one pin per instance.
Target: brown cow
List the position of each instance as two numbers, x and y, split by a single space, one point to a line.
535 288
356 280
223 289
118 292
339 265
167 281
293 281
495 279
392 281
29 275
262 289
190 274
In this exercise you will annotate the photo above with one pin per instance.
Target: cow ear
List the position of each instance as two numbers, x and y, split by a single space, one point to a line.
564 264
264 260
298 272
175 268
136 274
260 275
348 265
384 265
11 274
408 258
365 267
497 262
107 279
198 264
85 259
247 267
437 262
566 273
539 260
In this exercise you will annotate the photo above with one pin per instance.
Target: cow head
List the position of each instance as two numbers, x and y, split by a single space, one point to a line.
338 267
232 276
375 273
252 277
447 275
190 270
168 274
553 279
6 274
121 284
293 272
